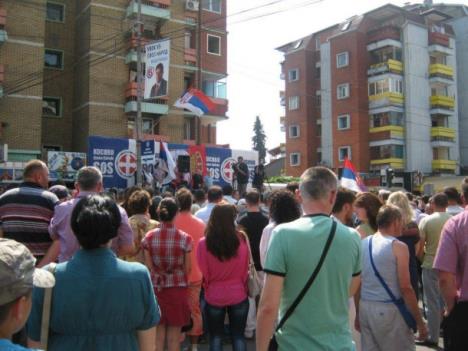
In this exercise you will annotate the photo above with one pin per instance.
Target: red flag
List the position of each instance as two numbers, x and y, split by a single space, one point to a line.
198 159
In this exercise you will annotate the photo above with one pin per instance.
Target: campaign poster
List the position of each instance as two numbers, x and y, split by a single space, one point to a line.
157 69
65 165
116 158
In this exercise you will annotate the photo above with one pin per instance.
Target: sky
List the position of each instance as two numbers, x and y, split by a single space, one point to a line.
254 65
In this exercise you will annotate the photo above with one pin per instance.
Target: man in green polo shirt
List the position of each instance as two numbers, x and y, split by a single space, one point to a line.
320 321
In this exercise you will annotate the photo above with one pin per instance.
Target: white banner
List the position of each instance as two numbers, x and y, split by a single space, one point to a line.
157 69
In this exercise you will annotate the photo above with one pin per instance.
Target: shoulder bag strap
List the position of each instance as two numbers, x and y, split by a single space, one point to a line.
46 308
377 274
246 238
306 288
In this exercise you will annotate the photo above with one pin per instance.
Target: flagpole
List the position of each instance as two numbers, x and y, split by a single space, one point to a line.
199 71
139 120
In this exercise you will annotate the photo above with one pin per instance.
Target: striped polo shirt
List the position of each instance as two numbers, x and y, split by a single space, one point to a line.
25 213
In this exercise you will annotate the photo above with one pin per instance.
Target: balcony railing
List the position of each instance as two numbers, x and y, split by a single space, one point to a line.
155 106
442 134
444 165
386 32
442 102
397 163
154 9
385 99
190 56
389 128
436 38
391 65
439 69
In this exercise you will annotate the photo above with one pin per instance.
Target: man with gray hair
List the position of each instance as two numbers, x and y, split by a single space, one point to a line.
88 182
314 265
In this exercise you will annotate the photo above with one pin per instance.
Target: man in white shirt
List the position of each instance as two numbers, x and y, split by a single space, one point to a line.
215 196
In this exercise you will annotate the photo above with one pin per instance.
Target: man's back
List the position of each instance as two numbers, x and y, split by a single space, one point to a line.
431 228
321 319
25 213
254 223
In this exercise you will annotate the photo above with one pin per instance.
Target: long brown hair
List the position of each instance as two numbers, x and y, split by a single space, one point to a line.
371 203
221 236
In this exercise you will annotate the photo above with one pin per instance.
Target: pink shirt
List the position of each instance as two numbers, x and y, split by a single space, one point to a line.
452 255
194 227
225 282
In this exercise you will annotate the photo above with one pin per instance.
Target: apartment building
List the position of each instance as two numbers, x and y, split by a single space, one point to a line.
68 71
379 88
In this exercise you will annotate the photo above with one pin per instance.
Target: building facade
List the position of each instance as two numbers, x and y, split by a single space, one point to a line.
68 71
381 89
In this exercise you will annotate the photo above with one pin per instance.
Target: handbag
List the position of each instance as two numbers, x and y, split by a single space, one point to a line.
399 303
254 284
273 345
46 308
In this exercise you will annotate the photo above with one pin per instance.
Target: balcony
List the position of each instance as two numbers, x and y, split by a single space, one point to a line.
392 66
441 101
156 107
150 9
440 70
386 99
395 163
443 133
386 132
190 56
383 37
436 38
444 166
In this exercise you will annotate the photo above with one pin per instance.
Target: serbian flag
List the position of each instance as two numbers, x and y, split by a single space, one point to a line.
195 101
164 166
350 178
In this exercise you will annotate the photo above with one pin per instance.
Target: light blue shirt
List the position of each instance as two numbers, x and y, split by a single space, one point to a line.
205 212
7 345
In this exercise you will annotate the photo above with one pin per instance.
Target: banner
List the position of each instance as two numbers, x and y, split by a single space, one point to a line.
116 158
65 165
197 159
157 69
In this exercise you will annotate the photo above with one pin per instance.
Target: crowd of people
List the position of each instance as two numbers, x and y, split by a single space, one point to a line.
91 269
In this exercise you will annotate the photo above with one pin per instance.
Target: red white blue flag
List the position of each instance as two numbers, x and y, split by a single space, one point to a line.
350 179
195 101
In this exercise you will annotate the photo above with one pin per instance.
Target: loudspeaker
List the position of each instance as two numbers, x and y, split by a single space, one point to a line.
183 163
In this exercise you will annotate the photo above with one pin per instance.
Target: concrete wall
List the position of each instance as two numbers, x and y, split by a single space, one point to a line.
453 122
326 91
417 97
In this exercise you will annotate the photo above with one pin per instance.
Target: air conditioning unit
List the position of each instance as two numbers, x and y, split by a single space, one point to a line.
192 5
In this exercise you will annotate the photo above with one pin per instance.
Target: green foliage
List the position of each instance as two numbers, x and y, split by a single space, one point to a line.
259 140
283 179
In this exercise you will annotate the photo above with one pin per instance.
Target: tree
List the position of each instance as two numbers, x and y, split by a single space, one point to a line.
259 139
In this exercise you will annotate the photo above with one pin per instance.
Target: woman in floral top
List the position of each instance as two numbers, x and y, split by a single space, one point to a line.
167 255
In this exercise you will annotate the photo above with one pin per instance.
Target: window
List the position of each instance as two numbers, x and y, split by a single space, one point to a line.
55 12
342 59
294 159
386 85
343 152
317 72
344 122
212 5
52 107
293 75
293 102
317 44
294 131
47 148
214 45
53 59
390 118
342 91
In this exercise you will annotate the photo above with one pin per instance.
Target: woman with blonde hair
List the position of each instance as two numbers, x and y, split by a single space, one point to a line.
410 233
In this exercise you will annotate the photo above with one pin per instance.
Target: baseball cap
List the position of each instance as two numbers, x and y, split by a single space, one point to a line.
18 272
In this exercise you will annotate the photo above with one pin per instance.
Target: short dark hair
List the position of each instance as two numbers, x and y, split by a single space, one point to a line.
153 210
409 196
32 167
184 198
387 215
371 204
440 200
292 187
343 197
227 190
284 207
159 66
252 197
215 193
167 209
95 220
452 194
199 195
139 202
464 188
